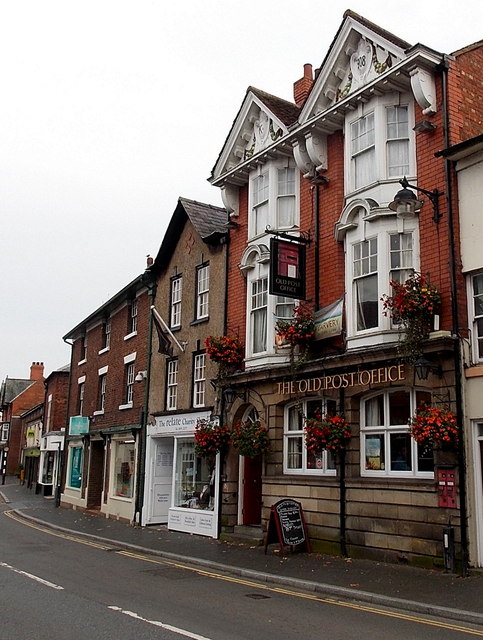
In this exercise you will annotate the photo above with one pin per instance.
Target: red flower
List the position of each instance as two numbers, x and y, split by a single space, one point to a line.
431 425
331 433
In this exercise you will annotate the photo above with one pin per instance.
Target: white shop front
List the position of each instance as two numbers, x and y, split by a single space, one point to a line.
182 489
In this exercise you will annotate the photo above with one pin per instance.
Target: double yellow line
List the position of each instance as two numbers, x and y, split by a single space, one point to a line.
249 583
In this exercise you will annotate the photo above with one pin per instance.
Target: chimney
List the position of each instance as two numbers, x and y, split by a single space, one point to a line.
37 371
302 87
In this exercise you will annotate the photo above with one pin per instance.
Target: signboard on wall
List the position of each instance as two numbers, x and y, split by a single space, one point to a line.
328 321
78 425
287 269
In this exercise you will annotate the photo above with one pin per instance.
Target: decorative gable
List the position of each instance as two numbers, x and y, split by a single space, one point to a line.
262 121
360 53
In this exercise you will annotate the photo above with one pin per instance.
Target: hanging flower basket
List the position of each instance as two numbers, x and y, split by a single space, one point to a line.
331 432
250 438
413 304
299 330
225 350
434 426
210 438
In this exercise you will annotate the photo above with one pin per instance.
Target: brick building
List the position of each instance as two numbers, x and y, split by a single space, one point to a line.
106 404
323 175
18 395
189 275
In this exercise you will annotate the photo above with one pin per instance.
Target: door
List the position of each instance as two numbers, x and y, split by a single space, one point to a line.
252 490
162 479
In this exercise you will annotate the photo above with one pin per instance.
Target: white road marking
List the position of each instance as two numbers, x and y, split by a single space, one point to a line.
31 576
157 623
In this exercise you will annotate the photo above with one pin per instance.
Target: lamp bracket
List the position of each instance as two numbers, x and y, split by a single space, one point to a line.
433 197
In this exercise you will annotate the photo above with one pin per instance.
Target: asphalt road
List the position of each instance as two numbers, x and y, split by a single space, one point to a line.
56 586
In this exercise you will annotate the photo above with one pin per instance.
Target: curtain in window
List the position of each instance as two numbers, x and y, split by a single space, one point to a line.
367 302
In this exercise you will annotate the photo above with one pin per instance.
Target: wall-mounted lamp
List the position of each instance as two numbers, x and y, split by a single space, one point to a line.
405 202
423 367
140 376
230 394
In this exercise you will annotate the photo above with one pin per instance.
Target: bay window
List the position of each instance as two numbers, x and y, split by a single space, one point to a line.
258 315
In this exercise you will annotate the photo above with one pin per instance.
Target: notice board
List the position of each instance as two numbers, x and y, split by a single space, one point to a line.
287 525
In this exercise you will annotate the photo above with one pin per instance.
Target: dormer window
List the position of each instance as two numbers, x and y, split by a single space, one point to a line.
273 197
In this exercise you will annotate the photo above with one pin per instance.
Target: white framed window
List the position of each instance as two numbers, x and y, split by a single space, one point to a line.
296 458
199 380
475 296
377 251
101 400
274 199
48 419
202 291
363 151
172 385
132 326
129 383
387 449
258 315
80 397
380 142
106 334
4 431
176 293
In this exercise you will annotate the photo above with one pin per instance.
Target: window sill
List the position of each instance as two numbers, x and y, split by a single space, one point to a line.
474 372
125 406
100 412
200 321
103 351
82 362
130 335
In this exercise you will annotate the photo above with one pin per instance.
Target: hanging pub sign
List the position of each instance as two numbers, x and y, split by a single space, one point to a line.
287 269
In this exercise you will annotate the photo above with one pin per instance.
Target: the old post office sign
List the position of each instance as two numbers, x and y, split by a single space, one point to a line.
287 269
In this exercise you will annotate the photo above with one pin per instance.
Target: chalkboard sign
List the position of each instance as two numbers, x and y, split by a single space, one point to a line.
287 525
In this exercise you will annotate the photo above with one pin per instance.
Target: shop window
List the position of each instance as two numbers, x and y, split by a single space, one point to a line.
48 468
124 469
202 291
194 478
199 380
296 458
74 476
386 446
175 308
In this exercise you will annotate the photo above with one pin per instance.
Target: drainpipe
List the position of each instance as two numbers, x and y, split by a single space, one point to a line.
223 405
148 278
455 330
342 489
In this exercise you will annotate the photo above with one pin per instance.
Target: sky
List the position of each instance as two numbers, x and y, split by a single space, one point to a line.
111 110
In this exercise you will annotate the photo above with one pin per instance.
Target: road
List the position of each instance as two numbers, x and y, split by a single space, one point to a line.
57 586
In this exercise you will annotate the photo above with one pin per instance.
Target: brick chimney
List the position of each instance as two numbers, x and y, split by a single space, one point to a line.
37 371
302 87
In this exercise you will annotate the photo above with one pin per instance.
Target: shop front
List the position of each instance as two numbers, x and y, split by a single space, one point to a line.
181 488
51 447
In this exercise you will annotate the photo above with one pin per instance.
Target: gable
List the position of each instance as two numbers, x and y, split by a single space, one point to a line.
360 53
262 121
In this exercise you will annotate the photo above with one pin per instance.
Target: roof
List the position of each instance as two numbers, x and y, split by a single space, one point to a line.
285 111
462 149
208 220
13 387
105 309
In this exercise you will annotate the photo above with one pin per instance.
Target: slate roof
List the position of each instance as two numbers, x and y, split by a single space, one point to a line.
11 388
208 220
287 112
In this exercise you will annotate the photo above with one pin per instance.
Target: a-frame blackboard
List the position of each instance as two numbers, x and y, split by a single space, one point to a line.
287 525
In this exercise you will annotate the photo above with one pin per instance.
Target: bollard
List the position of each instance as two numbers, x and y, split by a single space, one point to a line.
448 549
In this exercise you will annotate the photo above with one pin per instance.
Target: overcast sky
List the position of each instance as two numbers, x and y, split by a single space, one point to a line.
112 109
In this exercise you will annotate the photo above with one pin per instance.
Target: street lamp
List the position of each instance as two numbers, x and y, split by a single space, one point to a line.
405 202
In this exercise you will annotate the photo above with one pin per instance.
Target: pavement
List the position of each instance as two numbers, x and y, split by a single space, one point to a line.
421 591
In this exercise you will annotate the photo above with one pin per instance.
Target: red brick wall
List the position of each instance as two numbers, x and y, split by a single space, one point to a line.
114 359
236 308
469 63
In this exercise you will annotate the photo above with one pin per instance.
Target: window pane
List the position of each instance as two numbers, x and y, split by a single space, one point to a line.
425 458
286 211
76 468
259 315
374 452
367 302
294 452
194 485
400 444
294 419
375 412
399 408
315 461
